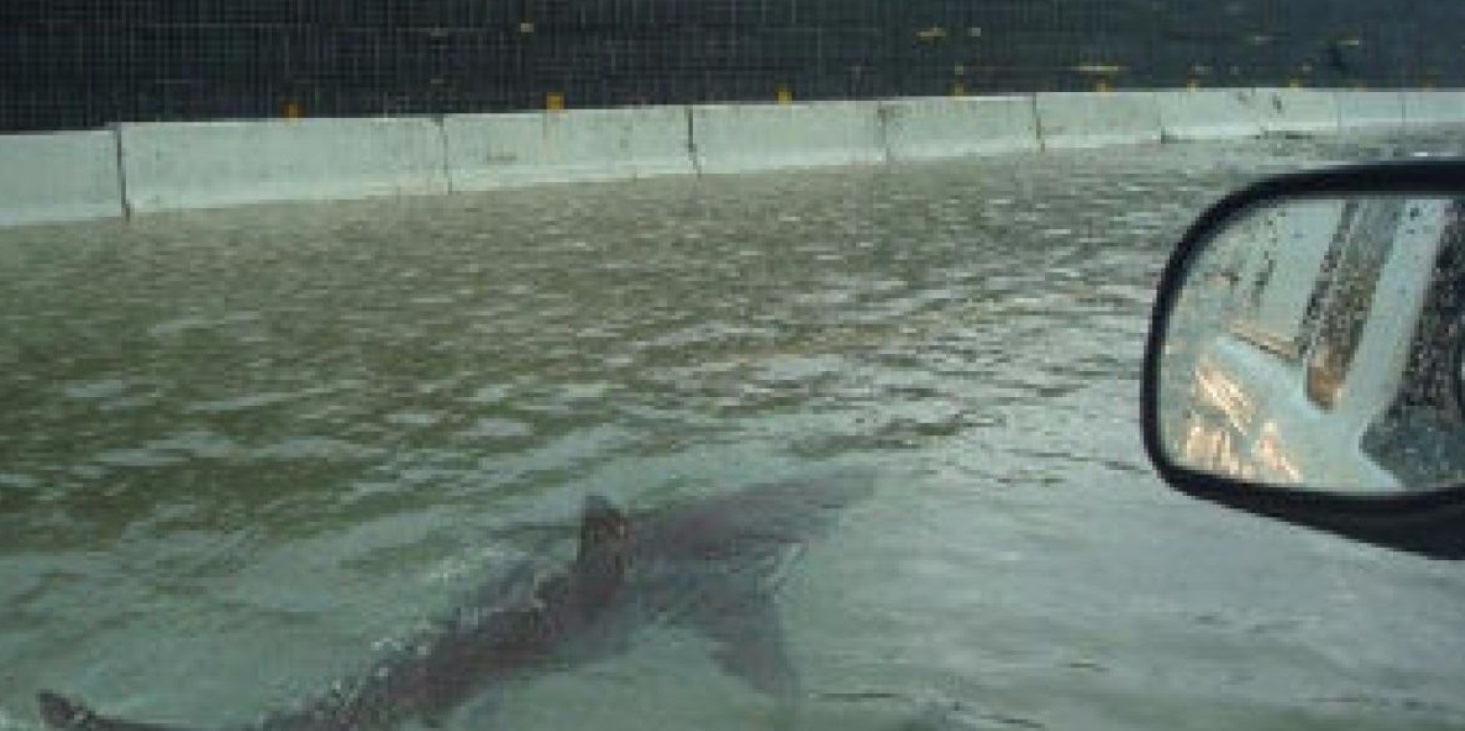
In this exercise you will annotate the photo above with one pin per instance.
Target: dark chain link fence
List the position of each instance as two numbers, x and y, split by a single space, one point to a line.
86 63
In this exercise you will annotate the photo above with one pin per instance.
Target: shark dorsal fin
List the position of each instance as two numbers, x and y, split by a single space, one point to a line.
605 543
603 527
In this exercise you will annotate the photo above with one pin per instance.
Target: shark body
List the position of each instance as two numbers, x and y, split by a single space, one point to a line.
712 565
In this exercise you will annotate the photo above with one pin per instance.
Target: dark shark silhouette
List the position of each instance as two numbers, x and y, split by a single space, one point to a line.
712 565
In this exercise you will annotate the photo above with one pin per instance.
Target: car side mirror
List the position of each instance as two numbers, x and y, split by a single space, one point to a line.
1306 358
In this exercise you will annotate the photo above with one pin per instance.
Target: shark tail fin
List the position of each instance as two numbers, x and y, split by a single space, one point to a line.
60 712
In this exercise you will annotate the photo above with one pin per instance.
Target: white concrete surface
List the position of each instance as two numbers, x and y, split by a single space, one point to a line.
1296 111
1429 108
931 129
487 151
748 137
65 176
1080 119
154 167
1208 114
1382 110
213 164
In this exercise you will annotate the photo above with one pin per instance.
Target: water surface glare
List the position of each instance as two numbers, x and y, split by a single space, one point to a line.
240 450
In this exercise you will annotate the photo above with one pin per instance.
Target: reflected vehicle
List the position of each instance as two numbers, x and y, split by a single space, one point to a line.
1305 354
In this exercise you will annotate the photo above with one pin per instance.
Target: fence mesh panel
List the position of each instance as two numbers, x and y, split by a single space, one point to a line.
86 63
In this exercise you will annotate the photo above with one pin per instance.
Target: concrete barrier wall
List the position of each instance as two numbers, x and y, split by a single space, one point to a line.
930 129
1210 114
1370 109
1076 119
205 165
75 176
1295 111
489 151
67 176
739 138
1429 108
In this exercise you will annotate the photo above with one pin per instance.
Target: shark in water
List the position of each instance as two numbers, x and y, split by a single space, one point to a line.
711 565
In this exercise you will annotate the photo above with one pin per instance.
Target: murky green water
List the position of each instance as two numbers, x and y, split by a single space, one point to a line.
239 448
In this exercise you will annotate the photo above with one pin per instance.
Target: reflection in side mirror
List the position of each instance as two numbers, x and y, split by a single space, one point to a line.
1315 342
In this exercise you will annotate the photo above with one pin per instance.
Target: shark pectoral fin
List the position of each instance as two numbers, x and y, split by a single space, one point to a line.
750 644
473 713
66 714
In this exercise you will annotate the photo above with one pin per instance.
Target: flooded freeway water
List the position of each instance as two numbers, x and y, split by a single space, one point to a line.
241 451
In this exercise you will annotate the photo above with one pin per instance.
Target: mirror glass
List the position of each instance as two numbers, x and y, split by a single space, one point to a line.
1316 343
